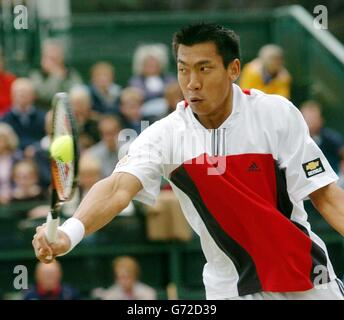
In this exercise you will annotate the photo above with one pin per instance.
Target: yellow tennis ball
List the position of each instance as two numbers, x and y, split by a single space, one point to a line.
62 149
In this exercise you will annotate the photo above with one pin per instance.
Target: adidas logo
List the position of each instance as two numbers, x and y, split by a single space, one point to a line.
253 167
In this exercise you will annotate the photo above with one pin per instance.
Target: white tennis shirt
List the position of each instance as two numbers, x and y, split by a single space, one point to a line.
241 188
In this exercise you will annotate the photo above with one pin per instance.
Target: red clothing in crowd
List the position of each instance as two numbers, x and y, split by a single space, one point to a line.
6 80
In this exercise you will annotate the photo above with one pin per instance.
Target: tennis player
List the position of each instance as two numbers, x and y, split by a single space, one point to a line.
241 163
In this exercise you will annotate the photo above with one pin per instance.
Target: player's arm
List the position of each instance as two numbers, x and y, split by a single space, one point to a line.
106 199
329 201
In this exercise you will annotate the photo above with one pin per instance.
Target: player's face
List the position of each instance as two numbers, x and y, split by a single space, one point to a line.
205 82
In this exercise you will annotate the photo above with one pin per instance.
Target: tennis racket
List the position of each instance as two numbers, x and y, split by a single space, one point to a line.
63 173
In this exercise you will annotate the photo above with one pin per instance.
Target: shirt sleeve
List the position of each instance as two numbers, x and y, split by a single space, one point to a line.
144 160
306 167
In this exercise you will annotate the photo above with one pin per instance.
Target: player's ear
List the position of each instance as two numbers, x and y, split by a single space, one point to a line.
233 70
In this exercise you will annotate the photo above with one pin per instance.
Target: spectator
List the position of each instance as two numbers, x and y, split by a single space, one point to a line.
26 186
267 72
53 76
165 219
26 120
106 150
131 108
48 285
150 70
160 108
127 286
90 172
80 100
173 95
105 93
8 156
329 141
39 152
6 80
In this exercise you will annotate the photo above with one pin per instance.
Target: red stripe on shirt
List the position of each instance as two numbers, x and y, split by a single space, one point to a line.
243 202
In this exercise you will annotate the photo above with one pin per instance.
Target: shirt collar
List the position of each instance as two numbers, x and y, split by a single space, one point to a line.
236 107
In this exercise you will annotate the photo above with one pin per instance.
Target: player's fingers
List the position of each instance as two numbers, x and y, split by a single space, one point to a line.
38 251
40 227
41 245
39 238
45 256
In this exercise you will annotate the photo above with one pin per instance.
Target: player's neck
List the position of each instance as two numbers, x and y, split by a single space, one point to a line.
216 118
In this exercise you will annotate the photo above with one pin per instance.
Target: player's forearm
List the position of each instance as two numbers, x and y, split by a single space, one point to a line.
330 204
103 202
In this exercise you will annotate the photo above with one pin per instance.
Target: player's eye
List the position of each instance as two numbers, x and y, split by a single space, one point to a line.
181 70
205 69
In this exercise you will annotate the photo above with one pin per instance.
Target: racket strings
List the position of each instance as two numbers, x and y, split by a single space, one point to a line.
63 172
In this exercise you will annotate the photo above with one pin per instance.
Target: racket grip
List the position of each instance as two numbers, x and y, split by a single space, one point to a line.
52 225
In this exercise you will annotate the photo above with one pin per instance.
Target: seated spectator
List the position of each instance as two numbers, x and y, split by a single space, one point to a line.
106 150
267 72
40 153
54 76
6 80
8 156
131 108
26 120
165 219
160 108
105 93
26 178
173 95
48 284
90 172
87 125
127 286
329 141
150 65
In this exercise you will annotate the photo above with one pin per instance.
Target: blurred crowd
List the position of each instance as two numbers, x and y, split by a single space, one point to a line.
49 284
103 108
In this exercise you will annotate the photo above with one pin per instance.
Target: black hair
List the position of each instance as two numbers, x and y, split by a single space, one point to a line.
226 40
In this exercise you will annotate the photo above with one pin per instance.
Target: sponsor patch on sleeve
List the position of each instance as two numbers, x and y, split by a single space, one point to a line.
312 168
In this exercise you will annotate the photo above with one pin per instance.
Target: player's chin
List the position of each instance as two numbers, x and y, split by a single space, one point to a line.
200 108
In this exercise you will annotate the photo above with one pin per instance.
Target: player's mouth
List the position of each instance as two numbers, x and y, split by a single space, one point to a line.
195 100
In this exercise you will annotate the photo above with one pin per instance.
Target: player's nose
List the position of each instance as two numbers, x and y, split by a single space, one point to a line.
194 83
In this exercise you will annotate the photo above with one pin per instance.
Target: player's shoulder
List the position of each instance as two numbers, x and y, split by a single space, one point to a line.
262 103
177 118
163 126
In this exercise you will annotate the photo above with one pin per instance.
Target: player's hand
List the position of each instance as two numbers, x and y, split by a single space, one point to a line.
45 251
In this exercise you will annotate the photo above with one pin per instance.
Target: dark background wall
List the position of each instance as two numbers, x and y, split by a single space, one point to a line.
335 7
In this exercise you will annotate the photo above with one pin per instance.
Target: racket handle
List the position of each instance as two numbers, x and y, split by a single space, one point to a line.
52 225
